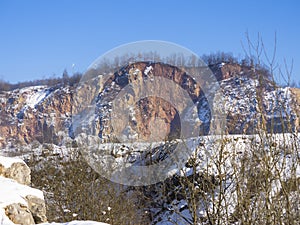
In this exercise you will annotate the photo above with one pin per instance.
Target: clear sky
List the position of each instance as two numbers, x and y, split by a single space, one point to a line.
39 39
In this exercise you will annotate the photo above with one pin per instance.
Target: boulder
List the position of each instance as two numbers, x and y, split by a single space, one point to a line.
15 169
4 220
37 208
19 214
19 203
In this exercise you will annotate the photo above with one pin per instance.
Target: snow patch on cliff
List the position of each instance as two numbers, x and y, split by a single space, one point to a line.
36 98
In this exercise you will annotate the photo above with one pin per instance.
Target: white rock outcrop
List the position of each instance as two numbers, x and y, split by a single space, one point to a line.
19 203
15 169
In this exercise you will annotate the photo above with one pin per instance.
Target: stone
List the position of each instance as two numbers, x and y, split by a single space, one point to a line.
37 208
19 214
15 169
19 203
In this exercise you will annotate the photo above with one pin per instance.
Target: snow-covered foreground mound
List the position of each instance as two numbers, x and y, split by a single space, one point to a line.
19 203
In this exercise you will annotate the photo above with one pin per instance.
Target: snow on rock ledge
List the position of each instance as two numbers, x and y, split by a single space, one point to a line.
20 204
15 169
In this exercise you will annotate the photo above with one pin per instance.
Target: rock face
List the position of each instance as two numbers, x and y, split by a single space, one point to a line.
44 114
249 100
149 116
296 93
19 214
19 204
35 113
37 208
224 71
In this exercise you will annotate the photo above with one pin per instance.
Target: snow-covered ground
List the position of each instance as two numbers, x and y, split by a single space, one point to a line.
7 162
4 220
12 192
234 148
224 157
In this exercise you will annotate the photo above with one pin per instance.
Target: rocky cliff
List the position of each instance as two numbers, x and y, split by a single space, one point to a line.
35 113
41 120
249 99
44 114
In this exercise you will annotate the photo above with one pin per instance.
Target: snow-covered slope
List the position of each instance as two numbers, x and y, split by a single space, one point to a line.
246 102
13 192
19 203
222 172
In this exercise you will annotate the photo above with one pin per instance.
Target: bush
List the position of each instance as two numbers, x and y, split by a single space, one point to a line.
74 191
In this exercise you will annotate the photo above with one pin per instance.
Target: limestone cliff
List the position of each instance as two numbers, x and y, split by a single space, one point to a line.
44 114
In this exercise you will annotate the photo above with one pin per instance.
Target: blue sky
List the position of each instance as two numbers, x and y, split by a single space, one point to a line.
39 39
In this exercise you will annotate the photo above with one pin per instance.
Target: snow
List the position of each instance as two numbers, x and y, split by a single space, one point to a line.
13 192
221 64
235 148
8 161
148 69
279 103
178 213
32 88
4 220
36 98
136 72
240 99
